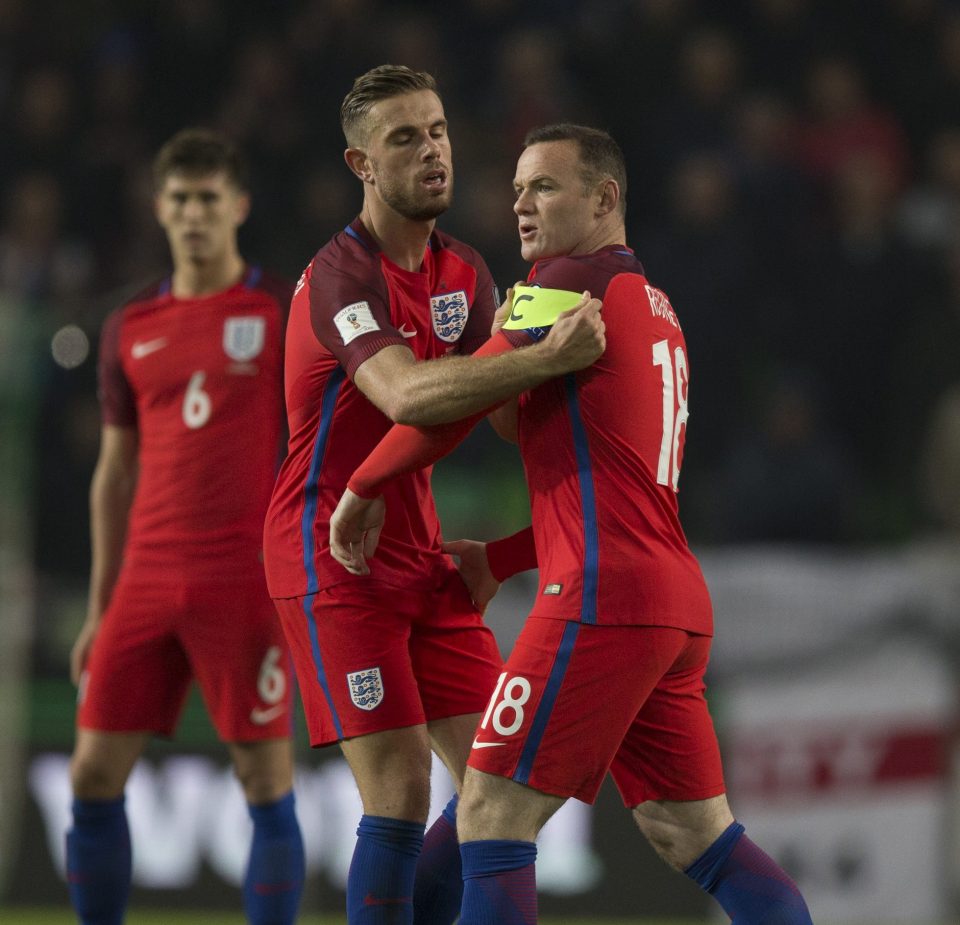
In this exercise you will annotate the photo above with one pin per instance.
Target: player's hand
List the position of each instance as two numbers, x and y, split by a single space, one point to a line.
355 531
80 653
577 337
503 312
474 570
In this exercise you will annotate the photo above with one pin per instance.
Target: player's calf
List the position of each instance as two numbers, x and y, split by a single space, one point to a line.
750 886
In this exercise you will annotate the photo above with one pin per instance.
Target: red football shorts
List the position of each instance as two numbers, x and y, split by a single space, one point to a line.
576 700
371 657
158 634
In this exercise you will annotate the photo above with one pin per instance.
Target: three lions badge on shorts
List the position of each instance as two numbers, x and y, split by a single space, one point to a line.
366 688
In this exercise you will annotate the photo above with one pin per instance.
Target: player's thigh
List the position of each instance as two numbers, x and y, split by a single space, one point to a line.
670 751
392 771
456 662
239 657
264 769
350 646
102 762
137 677
568 694
452 739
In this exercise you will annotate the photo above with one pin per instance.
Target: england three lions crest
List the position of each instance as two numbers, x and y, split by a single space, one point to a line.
366 688
449 315
243 338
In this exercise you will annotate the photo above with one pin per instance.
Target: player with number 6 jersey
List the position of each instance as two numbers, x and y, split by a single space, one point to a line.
191 395
200 379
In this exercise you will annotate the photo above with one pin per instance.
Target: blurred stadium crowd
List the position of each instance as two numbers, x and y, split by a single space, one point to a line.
794 188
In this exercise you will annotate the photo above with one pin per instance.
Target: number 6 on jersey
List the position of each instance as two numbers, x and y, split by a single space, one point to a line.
196 403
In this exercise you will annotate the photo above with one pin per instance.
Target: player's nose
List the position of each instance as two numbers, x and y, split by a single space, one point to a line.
431 148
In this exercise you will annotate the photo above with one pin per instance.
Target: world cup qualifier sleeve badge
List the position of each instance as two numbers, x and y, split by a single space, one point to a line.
366 688
449 312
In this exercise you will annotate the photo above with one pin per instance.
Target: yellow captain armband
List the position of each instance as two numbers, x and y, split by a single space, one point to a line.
534 307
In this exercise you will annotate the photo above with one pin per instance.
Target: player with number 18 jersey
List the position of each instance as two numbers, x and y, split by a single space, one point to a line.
602 449
599 452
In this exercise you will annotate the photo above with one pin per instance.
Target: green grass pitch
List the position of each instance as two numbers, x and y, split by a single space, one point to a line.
168 917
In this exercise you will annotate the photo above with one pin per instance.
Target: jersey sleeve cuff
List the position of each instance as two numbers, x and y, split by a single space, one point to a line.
512 554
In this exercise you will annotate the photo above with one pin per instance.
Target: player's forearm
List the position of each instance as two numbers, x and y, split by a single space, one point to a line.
406 449
512 554
111 497
440 391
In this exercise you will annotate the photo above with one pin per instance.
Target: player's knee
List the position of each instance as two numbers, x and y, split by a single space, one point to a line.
666 838
406 797
489 809
94 778
264 769
476 815
262 784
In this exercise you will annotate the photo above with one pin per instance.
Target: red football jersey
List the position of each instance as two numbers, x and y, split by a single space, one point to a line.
602 450
200 380
350 303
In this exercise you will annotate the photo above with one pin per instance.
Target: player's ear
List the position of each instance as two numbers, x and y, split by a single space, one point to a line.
158 209
359 164
242 208
609 196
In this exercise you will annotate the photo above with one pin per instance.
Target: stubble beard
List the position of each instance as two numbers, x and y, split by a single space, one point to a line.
417 208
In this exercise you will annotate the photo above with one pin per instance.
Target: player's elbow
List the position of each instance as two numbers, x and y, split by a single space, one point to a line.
401 406
417 404
414 413
504 430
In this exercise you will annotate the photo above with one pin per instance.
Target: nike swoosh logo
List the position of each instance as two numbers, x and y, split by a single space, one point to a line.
477 744
141 348
371 900
262 717
403 330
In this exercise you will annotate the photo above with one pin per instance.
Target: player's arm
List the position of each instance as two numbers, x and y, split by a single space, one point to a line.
423 393
111 496
359 516
356 522
505 419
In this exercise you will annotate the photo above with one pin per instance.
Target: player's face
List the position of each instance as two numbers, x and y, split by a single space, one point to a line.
201 215
408 156
557 215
